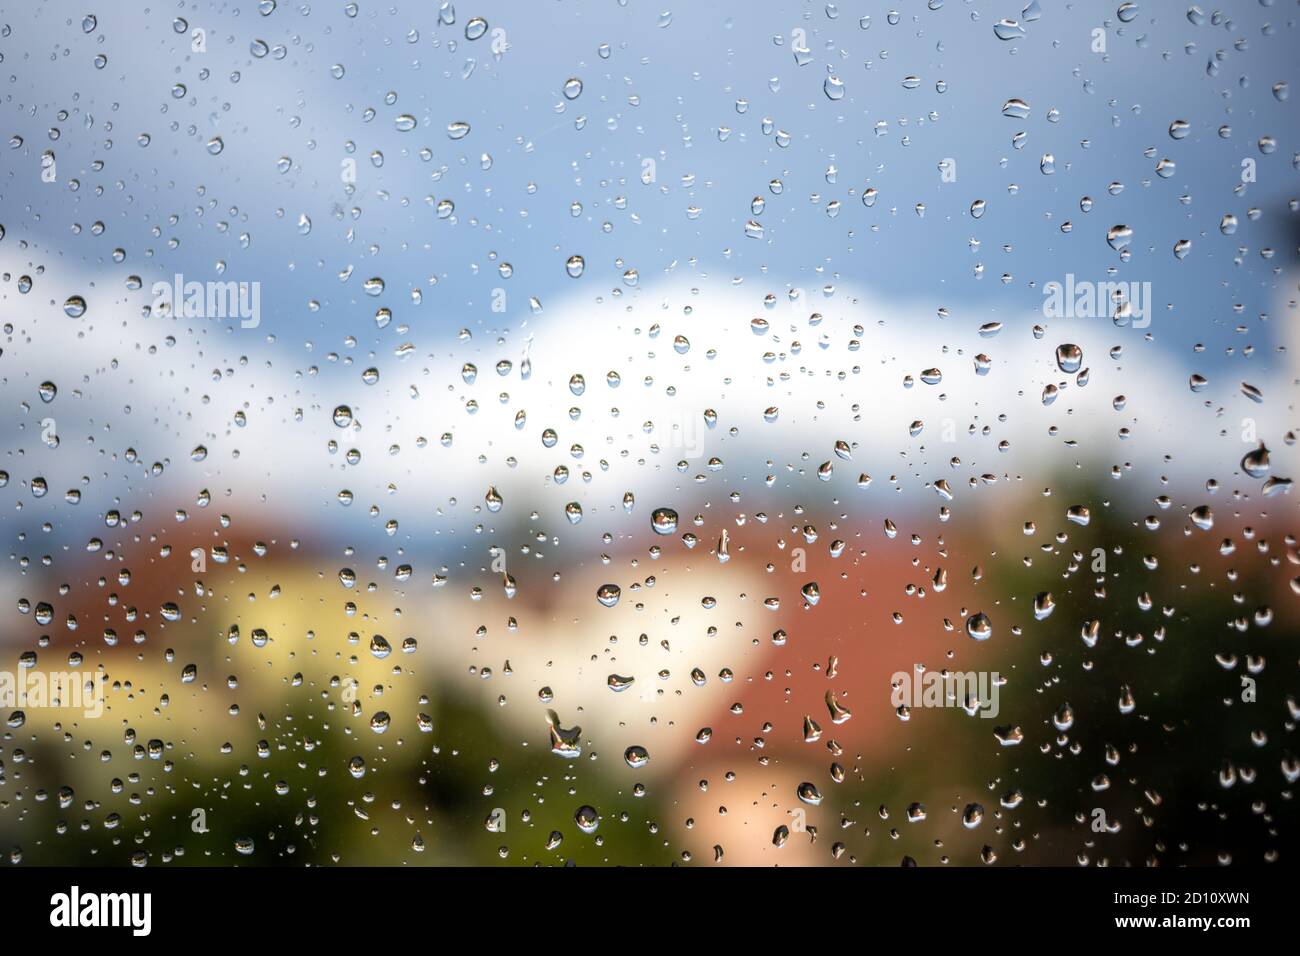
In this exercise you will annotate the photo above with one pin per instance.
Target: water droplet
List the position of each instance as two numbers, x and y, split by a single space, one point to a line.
663 520
1069 358
1256 463
1008 30
979 627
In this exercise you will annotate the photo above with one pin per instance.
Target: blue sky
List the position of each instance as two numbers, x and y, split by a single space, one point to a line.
663 93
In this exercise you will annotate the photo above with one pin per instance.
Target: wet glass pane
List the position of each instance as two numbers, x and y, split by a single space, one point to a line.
714 434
